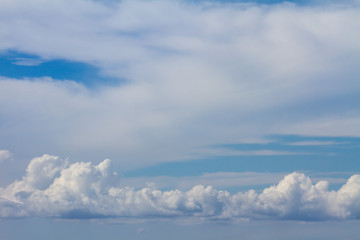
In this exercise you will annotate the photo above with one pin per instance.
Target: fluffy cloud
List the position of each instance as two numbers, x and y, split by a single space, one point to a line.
196 74
54 188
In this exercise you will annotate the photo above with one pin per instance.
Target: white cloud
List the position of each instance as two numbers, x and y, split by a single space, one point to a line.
4 155
196 75
27 61
82 190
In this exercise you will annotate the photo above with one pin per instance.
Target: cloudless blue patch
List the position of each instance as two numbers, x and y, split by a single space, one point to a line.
342 155
19 65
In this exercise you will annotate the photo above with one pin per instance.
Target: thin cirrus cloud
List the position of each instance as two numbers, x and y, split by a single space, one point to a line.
315 143
27 61
191 74
54 188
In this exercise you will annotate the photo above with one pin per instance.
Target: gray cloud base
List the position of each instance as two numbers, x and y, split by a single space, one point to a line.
54 188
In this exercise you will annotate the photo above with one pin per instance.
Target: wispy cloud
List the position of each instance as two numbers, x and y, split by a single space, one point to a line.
314 143
54 188
225 152
4 155
232 152
27 61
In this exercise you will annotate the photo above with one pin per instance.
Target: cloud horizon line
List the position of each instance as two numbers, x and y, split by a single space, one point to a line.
54 188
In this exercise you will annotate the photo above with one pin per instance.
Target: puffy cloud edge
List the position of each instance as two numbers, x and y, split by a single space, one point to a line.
52 187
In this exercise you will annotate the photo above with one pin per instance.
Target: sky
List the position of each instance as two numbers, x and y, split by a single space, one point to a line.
159 119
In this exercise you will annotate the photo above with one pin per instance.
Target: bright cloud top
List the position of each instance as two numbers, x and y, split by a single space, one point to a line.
54 188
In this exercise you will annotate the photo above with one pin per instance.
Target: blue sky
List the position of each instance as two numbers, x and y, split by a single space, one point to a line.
139 118
21 65
291 153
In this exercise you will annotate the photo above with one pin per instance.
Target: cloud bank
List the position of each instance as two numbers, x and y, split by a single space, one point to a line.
191 74
54 188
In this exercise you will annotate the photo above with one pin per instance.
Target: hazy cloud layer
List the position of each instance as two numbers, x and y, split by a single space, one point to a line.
190 75
54 188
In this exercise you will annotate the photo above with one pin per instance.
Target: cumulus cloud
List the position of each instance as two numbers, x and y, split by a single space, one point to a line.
54 188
